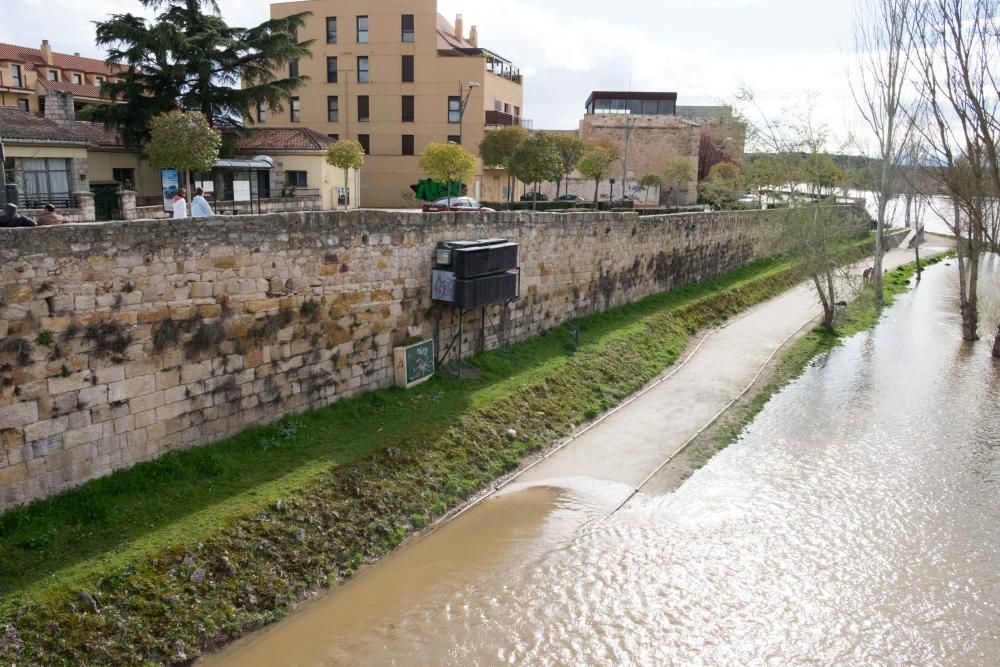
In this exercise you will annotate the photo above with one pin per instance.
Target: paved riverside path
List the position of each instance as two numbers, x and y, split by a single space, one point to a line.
631 443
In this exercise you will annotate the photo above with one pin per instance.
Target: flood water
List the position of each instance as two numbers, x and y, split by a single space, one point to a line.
856 522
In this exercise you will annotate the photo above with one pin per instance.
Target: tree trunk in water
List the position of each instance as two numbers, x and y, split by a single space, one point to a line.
996 343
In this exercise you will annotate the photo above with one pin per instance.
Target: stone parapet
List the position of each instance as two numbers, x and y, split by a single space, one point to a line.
122 341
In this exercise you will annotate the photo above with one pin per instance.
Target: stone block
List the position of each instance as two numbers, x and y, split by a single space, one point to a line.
83 436
94 396
46 447
46 428
18 414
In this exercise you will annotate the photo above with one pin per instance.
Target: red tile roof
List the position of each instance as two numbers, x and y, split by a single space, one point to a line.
63 61
446 36
263 139
17 124
97 134
77 89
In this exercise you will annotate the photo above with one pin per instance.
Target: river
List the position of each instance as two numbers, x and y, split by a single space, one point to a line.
856 522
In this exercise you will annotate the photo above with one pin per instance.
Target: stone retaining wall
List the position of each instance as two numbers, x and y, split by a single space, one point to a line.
121 341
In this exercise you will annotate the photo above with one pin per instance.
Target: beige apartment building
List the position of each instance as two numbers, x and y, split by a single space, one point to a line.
396 76
29 76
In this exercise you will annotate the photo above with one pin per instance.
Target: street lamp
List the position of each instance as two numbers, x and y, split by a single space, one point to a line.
464 103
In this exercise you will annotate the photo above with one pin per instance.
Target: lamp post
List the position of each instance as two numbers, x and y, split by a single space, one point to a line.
464 102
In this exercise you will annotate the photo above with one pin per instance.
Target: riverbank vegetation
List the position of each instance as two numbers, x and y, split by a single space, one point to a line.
170 558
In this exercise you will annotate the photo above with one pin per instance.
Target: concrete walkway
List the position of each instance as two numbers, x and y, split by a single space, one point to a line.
630 444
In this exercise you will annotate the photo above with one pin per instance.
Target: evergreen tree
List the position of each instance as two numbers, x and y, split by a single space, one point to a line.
189 59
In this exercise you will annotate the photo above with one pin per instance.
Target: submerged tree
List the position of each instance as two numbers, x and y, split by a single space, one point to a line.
881 44
189 59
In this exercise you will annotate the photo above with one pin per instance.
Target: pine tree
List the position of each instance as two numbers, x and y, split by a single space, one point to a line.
189 59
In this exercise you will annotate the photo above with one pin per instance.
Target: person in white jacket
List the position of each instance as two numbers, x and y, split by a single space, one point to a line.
200 208
180 204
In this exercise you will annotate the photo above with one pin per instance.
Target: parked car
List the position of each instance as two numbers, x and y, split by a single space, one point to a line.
571 198
534 196
456 204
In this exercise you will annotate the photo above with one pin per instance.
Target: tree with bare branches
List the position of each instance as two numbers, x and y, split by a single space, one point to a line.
878 82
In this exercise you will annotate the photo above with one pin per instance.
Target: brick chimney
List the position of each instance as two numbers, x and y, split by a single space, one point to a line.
59 107
474 36
459 27
46 52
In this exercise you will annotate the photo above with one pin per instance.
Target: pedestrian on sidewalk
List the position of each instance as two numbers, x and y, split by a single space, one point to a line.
180 203
50 217
200 208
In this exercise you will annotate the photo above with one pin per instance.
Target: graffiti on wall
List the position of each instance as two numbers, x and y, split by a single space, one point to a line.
428 190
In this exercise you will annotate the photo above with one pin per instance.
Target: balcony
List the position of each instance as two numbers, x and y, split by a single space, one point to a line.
501 119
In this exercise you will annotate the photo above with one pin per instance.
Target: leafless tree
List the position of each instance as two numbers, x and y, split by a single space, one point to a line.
878 82
955 46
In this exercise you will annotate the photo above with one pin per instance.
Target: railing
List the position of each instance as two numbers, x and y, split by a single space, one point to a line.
40 199
502 119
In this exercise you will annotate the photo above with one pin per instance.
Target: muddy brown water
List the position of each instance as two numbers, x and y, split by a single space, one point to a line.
856 522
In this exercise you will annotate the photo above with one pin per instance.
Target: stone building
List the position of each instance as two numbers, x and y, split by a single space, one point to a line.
29 77
396 77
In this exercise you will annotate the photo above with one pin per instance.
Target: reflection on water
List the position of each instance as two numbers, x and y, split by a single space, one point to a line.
857 522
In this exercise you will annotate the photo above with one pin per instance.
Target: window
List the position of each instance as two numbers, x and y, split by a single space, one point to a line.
261 112
293 68
363 110
454 109
22 104
334 136
331 69
366 143
124 177
41 179
506 108
408 33
362 69
331 29
407 108
407 69
98 80
41 104
53 75
517 111
407 144
362 30
77 79
296 110
454 139
15 75
296 179
333 109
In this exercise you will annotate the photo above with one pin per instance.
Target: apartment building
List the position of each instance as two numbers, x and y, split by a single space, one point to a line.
28 76
396 75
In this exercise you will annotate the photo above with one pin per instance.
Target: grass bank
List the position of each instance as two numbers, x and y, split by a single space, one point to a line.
167 559
860 315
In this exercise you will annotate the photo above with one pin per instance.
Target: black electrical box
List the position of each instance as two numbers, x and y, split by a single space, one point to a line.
470 259
470 274
486 290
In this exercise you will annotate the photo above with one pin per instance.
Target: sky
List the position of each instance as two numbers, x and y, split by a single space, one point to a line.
786 51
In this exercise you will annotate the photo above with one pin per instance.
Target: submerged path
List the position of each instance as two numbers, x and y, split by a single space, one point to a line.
437 579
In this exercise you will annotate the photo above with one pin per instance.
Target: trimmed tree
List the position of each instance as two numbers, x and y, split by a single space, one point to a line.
597 161
536 161
497 149
648 181
723 186
570 150
183 140
679 169
347 154
449 163
188 58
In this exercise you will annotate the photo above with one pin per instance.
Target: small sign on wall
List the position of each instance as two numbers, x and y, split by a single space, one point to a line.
170 182
413 363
